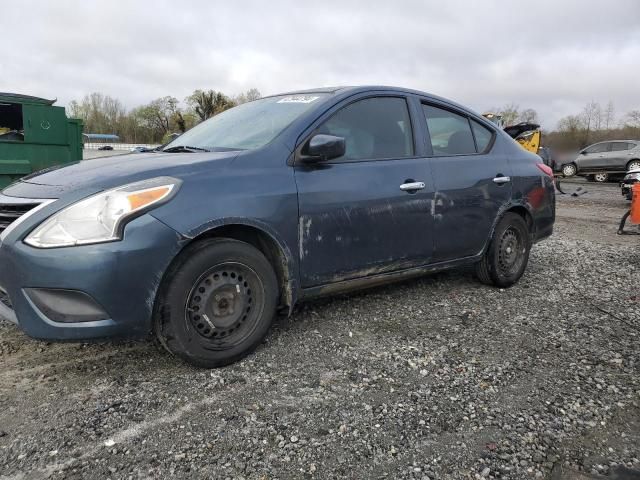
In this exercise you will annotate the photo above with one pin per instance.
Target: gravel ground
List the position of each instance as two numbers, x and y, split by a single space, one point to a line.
439 378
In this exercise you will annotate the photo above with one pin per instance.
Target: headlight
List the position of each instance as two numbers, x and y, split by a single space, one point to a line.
101 217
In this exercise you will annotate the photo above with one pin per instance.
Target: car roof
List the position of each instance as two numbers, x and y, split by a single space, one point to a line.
352 90
359 89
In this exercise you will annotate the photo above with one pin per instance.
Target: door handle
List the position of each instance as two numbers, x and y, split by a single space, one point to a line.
410 186
500 179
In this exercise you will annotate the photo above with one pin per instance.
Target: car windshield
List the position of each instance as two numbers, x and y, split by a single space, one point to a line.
247 126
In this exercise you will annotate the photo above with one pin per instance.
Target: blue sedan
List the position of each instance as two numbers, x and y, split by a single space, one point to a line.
268 204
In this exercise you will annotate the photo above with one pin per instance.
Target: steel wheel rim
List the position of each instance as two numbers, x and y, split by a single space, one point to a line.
634 165
225 305
511 252
600 177
569 170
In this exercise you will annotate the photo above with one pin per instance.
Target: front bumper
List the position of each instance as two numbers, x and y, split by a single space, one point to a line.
120 279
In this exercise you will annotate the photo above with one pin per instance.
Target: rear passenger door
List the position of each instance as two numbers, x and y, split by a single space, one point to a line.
471 183
619 155
357 215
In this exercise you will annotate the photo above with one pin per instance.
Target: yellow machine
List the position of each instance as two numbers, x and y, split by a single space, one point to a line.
526 134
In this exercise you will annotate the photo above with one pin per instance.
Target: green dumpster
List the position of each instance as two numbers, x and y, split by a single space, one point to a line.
35 135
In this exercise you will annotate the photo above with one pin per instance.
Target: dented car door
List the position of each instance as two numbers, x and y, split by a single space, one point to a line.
369 211
473 183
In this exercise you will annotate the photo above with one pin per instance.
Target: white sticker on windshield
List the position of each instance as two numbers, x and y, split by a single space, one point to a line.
298 99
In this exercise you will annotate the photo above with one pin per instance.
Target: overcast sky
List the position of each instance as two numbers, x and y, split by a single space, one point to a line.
553 56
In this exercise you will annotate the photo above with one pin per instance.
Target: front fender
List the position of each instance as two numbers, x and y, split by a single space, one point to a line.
290 265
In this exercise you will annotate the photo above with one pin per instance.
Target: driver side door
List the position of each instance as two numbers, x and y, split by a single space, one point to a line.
595 156
357 215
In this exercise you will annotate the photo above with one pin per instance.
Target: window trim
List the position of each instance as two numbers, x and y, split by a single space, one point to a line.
450 109
630 145
607 144
322 119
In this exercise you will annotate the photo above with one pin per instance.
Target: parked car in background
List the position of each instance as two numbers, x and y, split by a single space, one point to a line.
604 158
632 177
549 158
105 147
263 206
141 150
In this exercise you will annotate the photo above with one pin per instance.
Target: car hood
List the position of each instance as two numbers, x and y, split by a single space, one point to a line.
108 172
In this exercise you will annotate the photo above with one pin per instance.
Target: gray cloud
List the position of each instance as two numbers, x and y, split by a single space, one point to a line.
551 56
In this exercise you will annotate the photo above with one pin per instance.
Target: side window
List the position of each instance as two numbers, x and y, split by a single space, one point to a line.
373 128
598 148
450 133
11 123
482 134
620 146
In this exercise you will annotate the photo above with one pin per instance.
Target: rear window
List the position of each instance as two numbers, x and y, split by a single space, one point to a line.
620 146
483 136
450 133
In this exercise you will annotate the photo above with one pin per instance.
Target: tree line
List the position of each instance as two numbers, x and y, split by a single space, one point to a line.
594 123
155 121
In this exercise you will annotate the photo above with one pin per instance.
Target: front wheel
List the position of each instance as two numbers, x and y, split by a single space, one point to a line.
507 256
217 303
569 170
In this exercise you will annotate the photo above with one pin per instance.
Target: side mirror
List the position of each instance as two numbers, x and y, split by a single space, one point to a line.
322 148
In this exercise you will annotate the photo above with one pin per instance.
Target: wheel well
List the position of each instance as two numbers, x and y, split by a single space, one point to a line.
524 213
632 160
267 245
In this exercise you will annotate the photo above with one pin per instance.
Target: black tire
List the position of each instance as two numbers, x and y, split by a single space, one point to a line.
601 177
507 255
633 164
569 169
217 302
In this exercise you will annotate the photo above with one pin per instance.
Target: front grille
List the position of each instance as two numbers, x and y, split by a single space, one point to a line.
9 213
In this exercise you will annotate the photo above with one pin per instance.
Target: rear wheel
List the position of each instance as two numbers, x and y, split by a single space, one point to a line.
218 303
569 170
507 256
633 165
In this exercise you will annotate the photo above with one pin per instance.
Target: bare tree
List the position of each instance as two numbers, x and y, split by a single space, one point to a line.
99 113
510 114
591 114
528 115
632 118
609 115
248 96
